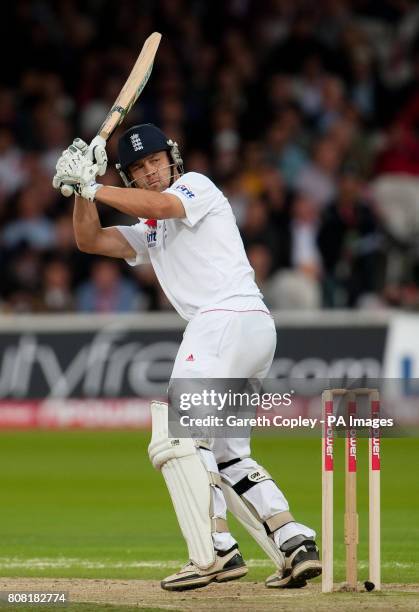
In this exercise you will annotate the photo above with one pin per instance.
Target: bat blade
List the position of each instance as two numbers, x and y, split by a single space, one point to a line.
133 87
127 97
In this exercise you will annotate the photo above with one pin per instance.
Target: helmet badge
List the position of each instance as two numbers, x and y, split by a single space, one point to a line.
137 145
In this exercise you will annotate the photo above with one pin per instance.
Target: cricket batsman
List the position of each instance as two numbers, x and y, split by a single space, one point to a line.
187 231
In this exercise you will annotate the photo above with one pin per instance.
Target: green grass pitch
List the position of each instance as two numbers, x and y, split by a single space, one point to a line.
89 504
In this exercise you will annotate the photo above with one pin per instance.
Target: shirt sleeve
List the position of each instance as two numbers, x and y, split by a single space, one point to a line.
198 195
135 235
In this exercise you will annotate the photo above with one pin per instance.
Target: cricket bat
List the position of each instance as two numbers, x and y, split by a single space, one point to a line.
127 97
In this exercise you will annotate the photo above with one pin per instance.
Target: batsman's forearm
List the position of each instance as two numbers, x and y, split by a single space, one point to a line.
86 222
136 202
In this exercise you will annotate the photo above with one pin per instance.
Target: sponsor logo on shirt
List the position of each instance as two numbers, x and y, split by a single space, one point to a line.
151 238
185 190
151 233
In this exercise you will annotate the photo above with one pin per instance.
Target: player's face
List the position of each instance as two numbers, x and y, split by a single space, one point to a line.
152 172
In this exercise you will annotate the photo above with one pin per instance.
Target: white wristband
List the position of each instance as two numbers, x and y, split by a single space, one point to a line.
89 191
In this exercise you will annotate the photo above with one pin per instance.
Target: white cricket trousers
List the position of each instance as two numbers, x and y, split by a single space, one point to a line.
239 343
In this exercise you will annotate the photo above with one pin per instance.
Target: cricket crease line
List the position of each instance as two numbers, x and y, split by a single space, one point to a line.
67 562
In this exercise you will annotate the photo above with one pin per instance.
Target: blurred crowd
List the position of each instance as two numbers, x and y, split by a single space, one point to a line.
305 114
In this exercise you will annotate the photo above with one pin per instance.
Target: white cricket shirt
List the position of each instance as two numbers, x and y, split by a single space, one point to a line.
200 260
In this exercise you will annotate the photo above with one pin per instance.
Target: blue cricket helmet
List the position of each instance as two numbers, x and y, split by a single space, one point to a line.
142 140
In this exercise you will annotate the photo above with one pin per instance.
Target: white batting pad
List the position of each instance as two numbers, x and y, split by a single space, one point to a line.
252 524
188 482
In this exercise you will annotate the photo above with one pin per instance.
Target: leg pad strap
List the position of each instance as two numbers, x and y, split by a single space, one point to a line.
277 521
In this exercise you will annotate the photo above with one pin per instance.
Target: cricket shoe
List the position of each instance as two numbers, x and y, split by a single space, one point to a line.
302 563
229 565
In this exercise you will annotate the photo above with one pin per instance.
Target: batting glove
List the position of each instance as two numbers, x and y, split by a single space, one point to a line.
67 156
96 152
76 169
80 163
